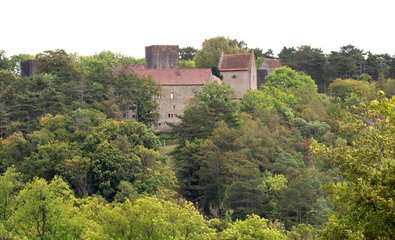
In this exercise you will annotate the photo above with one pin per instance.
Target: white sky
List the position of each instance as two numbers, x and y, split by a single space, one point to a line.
127 26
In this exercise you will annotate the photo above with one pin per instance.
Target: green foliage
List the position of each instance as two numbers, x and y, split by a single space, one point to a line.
187 53
347 63
364 198
234 158
286 78
187 64
311 61
208 56
211 105
253 227
389 87
4 61
134 95
45 211
10 184
303 232
348 89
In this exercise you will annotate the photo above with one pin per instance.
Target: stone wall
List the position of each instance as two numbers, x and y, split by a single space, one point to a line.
172 102
261 74
28 68
238 80
161 56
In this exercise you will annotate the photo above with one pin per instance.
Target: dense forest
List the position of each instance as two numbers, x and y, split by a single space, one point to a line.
309 155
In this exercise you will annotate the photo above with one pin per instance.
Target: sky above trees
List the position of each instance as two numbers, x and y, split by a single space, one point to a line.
127 27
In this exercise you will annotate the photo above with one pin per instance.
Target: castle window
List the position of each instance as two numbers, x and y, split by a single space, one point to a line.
171 115
174 106
171 95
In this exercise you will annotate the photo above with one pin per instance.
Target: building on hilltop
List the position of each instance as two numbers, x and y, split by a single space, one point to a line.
28 68
178 86
269 64
239 72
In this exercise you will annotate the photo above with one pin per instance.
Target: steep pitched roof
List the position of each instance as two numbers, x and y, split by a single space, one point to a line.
271 63
182 76
236 62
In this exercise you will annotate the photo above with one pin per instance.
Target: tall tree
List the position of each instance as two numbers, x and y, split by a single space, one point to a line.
134 95
208 56
211 105
311 61
346 63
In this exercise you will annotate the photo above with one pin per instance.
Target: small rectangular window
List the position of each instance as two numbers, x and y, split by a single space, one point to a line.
171 95
174 106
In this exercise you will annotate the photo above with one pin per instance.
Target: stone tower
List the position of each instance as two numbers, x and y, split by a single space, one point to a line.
28 68
161 56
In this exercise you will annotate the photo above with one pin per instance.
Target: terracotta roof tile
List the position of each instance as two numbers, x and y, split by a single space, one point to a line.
271 63
182 76
236 62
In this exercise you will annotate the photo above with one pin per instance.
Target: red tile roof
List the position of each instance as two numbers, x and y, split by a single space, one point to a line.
182 76
271 63
236 62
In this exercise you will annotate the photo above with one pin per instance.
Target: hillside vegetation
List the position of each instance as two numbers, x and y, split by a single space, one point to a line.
284 162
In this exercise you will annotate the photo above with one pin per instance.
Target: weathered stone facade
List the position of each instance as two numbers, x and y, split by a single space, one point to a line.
260 77
161 56
28 68
178 86
172 103
239 72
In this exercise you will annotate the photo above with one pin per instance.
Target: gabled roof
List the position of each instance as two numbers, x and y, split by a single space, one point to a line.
179 76
271 63
236 62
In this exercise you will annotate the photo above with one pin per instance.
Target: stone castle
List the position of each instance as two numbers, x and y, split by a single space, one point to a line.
178 85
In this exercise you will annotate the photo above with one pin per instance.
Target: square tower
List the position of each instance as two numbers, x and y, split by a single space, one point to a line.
161 56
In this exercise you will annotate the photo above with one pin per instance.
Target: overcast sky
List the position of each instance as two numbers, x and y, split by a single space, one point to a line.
127 26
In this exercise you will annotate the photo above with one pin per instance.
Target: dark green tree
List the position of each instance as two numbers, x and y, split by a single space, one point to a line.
311 61
346 63
187 53
135 97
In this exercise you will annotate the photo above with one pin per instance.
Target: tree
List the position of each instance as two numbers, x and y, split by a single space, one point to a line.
363 197
10 184
211 52
208 56
211 105
347 63
134 94
15 62
253 227
45 211
187 53
373 66
4 61
311 61
59 63
352 92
